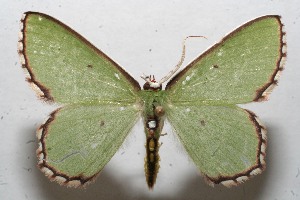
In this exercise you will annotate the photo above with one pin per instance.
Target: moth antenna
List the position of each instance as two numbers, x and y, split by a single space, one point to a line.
179 64
144 77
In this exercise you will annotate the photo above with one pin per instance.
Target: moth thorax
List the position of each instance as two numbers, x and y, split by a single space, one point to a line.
159 111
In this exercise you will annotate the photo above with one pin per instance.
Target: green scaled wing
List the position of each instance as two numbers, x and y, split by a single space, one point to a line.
226 142
100 100
243 67
77 141
66 68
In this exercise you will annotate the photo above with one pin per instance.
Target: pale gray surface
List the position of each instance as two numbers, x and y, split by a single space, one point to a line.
145 37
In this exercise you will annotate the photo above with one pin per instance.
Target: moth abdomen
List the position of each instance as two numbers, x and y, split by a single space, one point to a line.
151 161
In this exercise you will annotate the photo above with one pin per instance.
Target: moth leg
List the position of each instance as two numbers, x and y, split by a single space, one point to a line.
163 134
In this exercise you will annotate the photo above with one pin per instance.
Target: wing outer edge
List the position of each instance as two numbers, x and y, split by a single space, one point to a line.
42 91
260 164
263 92
51 172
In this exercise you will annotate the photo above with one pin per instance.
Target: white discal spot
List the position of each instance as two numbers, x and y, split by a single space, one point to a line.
117 76
40 18
188 78
246 161
188 110
122 108
220 53
94 145
152 124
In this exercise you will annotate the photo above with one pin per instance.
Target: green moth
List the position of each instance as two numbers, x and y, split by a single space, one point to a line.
100 102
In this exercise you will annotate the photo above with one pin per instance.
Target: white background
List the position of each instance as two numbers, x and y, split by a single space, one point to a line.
145 37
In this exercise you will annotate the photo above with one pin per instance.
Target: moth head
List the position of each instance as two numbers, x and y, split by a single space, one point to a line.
151 83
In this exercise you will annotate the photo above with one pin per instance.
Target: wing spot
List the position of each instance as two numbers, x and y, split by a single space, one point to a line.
202 122
94 145
102 123
122 108
117 76
246 161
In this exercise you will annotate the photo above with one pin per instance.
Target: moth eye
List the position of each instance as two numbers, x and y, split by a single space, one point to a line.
159 111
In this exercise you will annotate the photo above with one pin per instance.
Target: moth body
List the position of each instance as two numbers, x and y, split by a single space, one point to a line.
153 122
